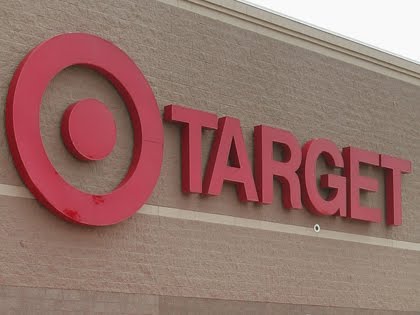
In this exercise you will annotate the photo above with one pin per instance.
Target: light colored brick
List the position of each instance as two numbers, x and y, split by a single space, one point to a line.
48 265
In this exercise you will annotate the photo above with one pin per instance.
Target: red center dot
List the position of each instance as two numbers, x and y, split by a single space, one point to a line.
88 130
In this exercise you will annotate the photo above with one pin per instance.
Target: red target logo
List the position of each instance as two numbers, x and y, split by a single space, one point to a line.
88 129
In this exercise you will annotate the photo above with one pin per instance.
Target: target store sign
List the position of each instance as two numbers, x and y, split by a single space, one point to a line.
228 160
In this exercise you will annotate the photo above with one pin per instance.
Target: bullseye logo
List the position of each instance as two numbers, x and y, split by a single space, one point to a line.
88 129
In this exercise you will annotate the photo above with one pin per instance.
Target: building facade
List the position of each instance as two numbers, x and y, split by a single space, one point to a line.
186 253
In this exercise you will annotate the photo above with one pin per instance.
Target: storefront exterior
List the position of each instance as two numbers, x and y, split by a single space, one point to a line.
211 234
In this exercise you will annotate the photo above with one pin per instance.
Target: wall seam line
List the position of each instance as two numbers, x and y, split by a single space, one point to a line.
175 213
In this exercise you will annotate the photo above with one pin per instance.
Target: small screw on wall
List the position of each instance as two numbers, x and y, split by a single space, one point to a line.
317 228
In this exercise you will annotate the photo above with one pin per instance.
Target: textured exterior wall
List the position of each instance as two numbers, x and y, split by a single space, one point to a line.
26 300
172 265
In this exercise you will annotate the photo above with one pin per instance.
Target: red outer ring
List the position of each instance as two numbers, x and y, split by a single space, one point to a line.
24 99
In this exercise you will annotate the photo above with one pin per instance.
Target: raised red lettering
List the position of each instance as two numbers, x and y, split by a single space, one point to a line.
393 169
313 201
193 122
229 142
352 159
266 168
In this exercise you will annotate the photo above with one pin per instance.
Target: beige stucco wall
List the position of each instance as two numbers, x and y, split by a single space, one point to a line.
168 265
